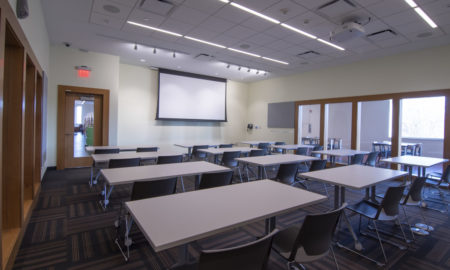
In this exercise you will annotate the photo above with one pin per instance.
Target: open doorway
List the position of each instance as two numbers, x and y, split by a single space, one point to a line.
82 121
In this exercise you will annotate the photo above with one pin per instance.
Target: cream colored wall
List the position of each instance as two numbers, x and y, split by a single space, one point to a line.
105 74
138 95
413 71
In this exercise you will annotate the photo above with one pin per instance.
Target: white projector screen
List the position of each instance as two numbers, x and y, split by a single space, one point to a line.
186 96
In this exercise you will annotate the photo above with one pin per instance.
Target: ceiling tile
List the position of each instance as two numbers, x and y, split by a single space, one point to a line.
387 7
239 32
279 45
261 39
130 3
442 19
176 26
284 10
257 24
217 24
375 26
233 14
296 38
278 31
311 4
136 30
416 26
308 19
188 15
392 42
366 2
383 35
162 36
107 21
205 6
323 29
163 8
294 50
258 5
225 40
145 17
202 33
401 18
99 7
355 43
336 9
365 49
431 33
437 7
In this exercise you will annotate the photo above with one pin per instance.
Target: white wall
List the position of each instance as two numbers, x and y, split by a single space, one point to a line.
105 74
36 31
413 71
138 95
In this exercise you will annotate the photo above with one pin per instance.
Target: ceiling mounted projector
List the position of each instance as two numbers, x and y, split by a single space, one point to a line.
347 31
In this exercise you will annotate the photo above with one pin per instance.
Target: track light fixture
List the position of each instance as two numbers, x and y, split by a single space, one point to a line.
239 68
135 46
257 72
174 55
228 66
154 50
248 70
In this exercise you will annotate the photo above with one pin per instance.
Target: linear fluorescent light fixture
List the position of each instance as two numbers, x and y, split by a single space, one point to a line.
247 53
298 31
421 13
206 42
251 11
330 44
154 28
275 60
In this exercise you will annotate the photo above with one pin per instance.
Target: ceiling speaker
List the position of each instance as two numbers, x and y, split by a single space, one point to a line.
22 9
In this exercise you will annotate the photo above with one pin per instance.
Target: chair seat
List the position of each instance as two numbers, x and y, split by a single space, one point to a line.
365 208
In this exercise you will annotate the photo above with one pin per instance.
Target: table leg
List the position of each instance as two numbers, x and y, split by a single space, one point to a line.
189 152
106 194
336 197
216 159
260 172
92 175
270 224
284 151
197 182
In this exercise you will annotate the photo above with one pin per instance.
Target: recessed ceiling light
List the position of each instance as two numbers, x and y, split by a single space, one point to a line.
421 13
111 9
331 44
205 42
298 31
142 60
247 53
154 28
255 13
275 60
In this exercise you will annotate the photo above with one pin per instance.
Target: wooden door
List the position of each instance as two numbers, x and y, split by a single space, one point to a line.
86 131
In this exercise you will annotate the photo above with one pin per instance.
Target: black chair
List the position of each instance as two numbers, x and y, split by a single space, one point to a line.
250 256
310 241
141 190
316 165
169 159
372 159
277 150
198 154
286 173
387 210
229 160
265 147
225 145
303 151
124 162
253 153
414 198
210 180
357 159
317 148
172 159
106 151
147 149
438 181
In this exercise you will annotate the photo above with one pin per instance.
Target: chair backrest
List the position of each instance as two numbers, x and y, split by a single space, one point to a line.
107 151
148 189
316 234
147 149
301 151
169 159
357 159
278 150
372 158
317 165
265 147
251 256
210 180
124 162
446 175
389 204
257 153
287 172
198 154
228 158
415 190
280 143
225 145
418 149
317 148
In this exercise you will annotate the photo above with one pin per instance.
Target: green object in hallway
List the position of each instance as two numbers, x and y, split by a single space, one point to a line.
89 136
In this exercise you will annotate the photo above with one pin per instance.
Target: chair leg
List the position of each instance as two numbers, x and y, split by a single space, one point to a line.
409 224
240 175
265 172
182 184
334 257
403 232
379 240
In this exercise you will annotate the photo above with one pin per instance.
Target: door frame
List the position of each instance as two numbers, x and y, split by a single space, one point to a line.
60 160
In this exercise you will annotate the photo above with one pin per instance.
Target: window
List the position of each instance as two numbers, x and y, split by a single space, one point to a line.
423 117
78 113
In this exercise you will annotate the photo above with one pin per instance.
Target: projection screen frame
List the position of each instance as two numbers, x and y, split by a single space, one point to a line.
191 75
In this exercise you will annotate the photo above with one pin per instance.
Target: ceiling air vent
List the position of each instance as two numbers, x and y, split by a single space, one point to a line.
382 35
336 8
160 7
308 54
204 57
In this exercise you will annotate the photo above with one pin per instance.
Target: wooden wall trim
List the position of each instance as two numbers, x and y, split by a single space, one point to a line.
322 125
355 127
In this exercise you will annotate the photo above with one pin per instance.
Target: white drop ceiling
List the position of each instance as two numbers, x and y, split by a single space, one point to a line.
101 26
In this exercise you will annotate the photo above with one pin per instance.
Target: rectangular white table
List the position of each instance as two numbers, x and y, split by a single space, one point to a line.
286 147
255 143
215 152
176 220
128 175
355 177
102 160
271 160
415 161
339 153
91 149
